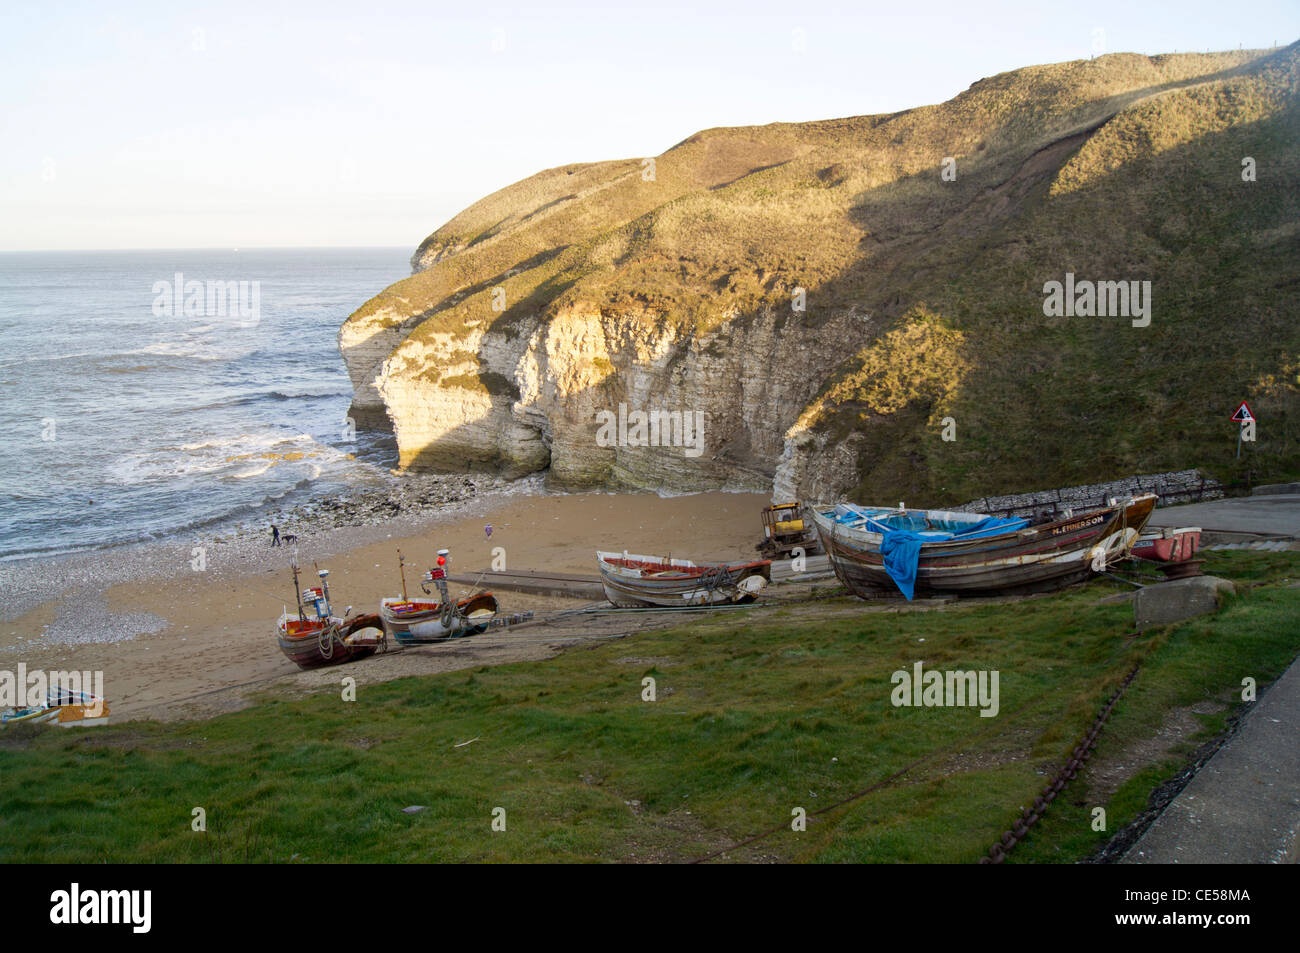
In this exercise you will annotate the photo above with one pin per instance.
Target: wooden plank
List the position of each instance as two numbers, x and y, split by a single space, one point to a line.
815 567
569 585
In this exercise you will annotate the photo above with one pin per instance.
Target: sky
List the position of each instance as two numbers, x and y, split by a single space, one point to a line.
259 124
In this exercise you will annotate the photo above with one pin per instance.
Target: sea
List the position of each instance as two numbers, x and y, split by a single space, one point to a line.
145 394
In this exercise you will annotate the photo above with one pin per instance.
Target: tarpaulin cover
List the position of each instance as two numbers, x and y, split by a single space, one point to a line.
902 552
903 535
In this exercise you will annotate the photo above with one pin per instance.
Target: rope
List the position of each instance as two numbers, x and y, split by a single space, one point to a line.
325 640
713 579
474 588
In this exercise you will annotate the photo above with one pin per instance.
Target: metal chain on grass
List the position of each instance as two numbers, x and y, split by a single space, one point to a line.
965 743
952 749
1078 757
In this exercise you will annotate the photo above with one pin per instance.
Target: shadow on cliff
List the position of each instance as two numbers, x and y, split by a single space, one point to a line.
1048 401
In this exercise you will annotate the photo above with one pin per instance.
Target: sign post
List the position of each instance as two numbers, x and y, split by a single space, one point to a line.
1243 416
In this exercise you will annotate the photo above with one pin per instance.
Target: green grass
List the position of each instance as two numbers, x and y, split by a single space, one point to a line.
756 715
1203 660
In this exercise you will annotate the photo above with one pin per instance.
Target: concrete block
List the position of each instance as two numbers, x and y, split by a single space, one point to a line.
1273 489
1178 599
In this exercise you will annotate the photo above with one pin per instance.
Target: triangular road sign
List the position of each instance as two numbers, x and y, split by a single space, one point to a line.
1242 413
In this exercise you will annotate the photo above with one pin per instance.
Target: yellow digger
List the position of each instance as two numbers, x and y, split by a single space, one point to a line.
785 529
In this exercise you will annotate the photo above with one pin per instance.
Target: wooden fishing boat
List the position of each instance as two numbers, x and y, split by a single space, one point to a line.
312 643
29 715
79 709
66 708
314 637
1168 545
414 622
423 621
873 548
633 581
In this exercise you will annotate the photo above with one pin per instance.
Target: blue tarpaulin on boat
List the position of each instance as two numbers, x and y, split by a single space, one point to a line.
903 535
991 526
902 552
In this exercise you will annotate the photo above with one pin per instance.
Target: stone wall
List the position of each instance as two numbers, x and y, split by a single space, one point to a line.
1183 486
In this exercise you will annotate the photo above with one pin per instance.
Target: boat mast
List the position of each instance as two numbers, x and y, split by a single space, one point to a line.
297 593
323 574
401 568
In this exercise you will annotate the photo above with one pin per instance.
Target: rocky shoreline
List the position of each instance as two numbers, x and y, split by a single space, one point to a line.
321 527
404 496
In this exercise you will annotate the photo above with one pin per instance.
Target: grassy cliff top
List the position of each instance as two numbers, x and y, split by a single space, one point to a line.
1125 167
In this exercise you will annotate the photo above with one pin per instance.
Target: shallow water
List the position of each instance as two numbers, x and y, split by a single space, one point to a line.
111 392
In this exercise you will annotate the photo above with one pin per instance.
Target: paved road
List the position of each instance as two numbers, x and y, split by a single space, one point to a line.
1243 806
1262 515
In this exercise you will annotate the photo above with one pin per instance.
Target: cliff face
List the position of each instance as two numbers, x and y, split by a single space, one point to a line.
856 306
540 409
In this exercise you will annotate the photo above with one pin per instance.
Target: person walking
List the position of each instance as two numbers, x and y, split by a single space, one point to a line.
275 535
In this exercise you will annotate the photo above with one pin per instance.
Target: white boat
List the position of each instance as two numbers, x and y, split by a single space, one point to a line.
419 621
631 581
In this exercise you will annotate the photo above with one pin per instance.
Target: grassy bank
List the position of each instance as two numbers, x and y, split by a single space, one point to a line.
757 714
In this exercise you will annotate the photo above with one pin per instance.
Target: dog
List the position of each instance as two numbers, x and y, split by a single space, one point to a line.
278 539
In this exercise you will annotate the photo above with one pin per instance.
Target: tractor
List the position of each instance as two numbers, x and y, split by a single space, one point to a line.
785 529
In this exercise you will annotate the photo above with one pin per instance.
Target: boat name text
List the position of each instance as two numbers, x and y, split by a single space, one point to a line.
1081 524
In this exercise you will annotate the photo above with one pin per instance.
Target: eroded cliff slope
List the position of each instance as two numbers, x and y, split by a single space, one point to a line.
857 306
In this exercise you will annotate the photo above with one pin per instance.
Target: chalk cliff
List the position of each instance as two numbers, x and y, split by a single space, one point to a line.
856 305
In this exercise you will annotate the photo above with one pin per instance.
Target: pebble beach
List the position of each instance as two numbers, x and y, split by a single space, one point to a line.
184 626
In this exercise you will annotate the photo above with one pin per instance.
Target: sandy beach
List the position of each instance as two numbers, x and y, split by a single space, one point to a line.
178 634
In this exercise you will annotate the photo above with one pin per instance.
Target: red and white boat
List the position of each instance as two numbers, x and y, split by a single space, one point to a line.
315 637
423 621
1168 545
635 581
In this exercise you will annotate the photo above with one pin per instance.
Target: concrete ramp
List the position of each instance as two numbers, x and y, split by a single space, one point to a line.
567 585
1238 519
1243 806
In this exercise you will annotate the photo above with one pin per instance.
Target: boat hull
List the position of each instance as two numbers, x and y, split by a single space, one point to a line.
29 716
1032 559
1169 545
83 716
68 709
314 644
646 581
422 623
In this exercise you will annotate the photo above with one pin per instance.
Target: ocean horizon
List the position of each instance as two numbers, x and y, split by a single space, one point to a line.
148 392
